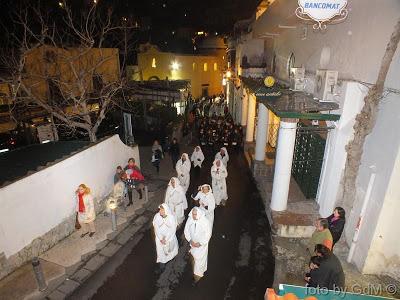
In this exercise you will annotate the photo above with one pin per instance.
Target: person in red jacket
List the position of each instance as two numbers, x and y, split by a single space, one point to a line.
134 179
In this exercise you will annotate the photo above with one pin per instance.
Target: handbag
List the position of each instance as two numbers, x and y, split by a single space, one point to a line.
77 224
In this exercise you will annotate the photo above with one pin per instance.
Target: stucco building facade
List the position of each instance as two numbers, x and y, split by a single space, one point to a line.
274 42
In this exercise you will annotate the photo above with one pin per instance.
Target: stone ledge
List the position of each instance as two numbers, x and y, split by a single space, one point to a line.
95 262
68 286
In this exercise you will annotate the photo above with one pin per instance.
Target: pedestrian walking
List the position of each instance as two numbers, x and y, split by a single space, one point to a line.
218 175
157 155
223 156
174 151
197 157
134 179
175 198
183 171
164 224
206 202
198 233
85 210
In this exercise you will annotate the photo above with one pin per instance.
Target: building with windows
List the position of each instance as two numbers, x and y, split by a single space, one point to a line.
203 71
299 139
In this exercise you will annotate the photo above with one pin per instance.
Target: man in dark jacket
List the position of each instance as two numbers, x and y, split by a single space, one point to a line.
330 273
174 152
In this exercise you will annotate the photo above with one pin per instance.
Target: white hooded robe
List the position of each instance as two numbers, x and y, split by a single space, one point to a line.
198 231
165 228
183 172
207 200
218 175
175 198
224 158
197 157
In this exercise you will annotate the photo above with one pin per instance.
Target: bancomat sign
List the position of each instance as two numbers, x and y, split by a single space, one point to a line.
322 11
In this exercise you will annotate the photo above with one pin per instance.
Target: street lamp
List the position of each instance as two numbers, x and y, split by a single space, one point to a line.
112 205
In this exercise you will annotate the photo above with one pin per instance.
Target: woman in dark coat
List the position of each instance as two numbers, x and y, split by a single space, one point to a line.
336 223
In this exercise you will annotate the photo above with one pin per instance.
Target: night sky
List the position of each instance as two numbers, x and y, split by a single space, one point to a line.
161 19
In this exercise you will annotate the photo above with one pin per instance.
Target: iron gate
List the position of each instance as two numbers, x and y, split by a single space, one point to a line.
308 158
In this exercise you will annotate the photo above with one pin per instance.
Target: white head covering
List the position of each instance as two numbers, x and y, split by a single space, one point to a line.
221 165
200 214
225 150
199 148
209 187
166 209
177 183
186 155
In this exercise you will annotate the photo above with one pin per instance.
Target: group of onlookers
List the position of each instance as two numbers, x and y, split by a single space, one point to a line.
125 181
325 268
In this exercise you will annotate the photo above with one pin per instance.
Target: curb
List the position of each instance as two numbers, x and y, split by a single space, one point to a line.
133 229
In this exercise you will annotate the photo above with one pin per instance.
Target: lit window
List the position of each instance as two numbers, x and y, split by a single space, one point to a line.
153 63
215 66
194 66
205 67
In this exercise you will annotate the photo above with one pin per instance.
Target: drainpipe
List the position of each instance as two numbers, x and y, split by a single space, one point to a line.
367 198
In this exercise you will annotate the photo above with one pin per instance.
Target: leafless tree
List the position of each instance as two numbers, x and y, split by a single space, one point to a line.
65 64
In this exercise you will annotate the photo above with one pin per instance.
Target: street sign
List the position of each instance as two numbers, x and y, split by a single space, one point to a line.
322 11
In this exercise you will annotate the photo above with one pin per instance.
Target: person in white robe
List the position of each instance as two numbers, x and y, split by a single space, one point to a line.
197 157
206 202
218 175
175 198
223 156
164 224
198 233
183 171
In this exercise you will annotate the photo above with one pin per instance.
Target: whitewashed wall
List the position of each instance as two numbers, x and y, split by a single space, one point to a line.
384 253
355 48
351 101
34 205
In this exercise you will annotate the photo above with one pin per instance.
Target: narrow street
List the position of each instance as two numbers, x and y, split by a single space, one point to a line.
240 264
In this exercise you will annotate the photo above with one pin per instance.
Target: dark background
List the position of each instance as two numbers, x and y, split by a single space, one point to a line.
167 23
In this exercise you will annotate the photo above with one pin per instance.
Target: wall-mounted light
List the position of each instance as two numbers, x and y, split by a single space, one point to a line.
228 74
175 66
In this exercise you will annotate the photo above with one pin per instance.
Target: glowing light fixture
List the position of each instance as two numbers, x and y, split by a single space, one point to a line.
153 63
175 66
228 74
46 141
4 150
60 4
200 32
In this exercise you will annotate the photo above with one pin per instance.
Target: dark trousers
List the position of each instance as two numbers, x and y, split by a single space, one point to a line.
174 159
130 194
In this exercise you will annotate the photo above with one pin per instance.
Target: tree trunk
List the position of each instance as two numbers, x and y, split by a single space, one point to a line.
92 136
365 122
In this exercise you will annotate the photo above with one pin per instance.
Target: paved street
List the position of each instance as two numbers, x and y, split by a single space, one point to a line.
240 262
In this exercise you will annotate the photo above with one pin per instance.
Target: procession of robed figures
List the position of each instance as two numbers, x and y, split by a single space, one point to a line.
199 223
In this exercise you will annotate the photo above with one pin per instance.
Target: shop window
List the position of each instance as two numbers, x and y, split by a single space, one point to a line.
205 67
215 66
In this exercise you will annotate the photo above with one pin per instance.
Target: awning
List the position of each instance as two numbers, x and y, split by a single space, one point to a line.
286 103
